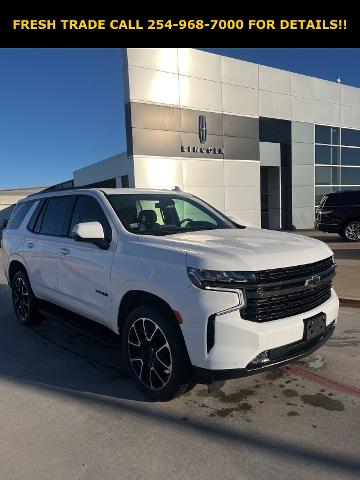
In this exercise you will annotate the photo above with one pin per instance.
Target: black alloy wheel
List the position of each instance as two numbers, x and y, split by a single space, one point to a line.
156 355
24 301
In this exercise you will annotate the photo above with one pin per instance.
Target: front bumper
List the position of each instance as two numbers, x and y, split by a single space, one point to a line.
237 342
282 355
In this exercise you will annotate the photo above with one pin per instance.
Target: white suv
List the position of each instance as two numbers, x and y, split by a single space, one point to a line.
194 296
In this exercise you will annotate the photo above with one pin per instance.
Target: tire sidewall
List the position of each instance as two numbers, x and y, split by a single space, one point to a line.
181 369
30 319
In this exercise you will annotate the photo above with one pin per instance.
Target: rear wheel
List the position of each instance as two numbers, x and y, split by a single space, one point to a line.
351 231
24 301
155 354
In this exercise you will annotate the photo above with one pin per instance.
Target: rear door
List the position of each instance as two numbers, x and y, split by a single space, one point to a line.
49 224
84 268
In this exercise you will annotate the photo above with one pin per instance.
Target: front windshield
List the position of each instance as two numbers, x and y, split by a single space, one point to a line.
165 214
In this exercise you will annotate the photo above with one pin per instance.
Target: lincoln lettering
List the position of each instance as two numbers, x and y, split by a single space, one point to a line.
198 150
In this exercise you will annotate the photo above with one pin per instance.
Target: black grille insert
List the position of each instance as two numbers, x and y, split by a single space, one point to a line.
283 292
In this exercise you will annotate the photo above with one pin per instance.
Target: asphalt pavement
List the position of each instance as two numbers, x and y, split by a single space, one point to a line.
69 411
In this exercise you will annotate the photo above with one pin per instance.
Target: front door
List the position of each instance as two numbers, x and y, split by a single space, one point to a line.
84 269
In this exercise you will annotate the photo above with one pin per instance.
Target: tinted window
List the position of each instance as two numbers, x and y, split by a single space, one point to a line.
19 213
352 198
35 215
125 181
350 176
335 175
88 209
56 216
327 155
333 200
327 135
323 175
350 137
350 156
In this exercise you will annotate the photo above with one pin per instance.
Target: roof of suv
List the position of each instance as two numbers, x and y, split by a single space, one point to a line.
107 191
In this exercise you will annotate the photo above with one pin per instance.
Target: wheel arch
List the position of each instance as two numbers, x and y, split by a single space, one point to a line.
137 298
16 266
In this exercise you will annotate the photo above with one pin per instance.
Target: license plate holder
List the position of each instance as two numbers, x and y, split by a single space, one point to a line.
315 326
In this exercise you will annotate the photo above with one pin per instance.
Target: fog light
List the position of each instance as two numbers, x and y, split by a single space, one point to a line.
261 359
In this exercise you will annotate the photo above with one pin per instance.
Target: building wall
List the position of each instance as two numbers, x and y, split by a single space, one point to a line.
110 168
167 91
166 87
8 198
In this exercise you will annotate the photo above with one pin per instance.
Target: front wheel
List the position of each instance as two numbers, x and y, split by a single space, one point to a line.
156 355
351 231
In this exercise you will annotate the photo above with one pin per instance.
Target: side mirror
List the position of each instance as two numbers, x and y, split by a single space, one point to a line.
91 232
4 223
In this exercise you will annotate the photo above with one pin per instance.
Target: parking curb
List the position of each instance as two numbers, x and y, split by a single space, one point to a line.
349 302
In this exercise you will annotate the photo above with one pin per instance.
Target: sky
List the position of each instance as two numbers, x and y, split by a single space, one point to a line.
62 109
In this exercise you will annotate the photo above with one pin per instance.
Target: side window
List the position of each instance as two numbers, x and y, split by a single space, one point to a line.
19 213
56 216
35 215
88 209
352 198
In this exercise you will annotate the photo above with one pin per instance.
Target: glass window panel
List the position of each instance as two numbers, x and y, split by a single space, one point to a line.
88 209
335 175
327 135
350 176
320 192
325 155
350 137
350 156
322 175
350 198
19 213
57 216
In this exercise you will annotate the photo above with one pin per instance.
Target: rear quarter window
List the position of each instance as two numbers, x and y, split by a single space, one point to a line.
343 199
19 213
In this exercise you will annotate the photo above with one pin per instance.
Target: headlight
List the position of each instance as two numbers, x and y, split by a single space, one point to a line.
207 279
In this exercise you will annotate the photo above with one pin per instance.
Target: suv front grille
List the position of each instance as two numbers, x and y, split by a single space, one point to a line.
281 292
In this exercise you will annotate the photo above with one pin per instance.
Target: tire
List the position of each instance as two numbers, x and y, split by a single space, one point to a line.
351 231
155 354
24 300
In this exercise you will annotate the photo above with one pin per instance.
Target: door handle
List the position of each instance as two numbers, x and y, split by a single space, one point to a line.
29 245
64 251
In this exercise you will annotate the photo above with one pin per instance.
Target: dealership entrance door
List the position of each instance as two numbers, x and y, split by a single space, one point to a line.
270 197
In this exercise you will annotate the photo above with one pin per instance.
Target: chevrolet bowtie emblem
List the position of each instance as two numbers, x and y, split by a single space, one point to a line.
312 281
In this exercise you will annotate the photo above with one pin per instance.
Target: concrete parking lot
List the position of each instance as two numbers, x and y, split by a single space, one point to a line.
68 411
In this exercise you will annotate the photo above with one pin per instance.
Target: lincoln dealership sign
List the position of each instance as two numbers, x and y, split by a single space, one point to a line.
202 139
197 149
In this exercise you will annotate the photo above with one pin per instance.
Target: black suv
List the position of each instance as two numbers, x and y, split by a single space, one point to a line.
339 212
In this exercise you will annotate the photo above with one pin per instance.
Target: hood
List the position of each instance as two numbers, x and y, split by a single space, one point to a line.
243 249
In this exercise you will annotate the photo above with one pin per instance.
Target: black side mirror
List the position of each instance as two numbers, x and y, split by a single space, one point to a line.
4 223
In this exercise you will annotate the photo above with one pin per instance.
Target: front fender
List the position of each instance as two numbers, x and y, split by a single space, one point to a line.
161 273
